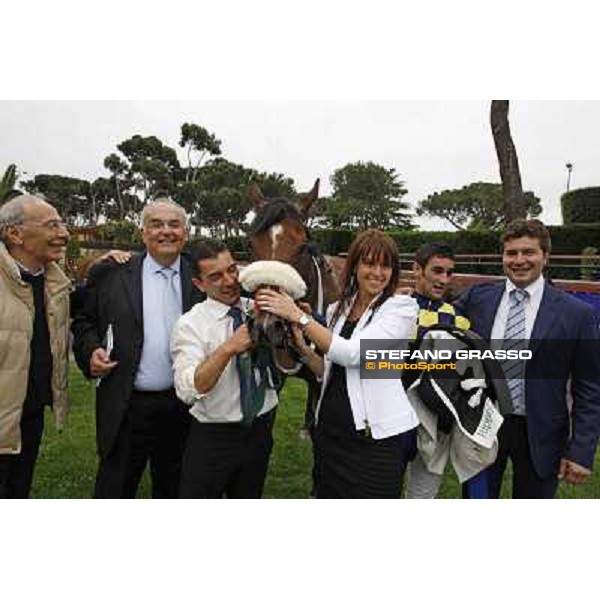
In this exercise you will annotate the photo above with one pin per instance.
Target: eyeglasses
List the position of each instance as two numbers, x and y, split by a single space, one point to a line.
52 225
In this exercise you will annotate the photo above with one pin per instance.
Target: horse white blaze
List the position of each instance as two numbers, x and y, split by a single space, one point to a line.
275 232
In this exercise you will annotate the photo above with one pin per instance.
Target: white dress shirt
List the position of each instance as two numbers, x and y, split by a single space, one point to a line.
535 291
197 334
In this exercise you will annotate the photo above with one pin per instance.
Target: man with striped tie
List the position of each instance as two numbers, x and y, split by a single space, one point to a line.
546 439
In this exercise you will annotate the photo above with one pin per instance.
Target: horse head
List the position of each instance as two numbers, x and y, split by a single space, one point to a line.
279 232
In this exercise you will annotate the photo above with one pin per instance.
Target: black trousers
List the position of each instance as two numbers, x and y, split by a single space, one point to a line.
153 431
227 459
16 470
513 444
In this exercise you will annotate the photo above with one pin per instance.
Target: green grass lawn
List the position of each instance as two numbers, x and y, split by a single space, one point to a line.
67 463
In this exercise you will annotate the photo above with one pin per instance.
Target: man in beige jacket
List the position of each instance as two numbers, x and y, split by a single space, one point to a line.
34 325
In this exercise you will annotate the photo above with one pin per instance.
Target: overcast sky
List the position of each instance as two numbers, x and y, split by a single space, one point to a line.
433 145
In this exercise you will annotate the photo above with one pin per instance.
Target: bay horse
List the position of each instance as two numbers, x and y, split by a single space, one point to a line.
279 232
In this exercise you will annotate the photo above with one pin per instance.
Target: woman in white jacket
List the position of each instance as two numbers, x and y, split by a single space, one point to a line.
365 427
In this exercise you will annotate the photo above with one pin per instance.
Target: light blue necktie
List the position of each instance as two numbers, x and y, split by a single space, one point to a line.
171 302
514 339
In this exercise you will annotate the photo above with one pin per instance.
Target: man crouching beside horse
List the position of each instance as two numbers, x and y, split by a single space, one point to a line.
230 387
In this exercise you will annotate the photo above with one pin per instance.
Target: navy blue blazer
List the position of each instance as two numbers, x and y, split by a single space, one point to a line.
565 342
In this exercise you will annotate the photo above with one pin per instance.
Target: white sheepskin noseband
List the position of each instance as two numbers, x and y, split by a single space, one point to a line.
273 272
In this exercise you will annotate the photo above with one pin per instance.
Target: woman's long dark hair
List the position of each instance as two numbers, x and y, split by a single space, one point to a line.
374 246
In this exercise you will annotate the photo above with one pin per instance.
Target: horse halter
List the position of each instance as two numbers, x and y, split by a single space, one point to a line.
264 343
271 334
311 265
312 250
319 263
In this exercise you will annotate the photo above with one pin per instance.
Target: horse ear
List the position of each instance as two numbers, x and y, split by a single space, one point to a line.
307 200
255 195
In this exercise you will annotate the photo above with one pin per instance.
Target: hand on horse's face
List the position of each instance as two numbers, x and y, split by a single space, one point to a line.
257 308
279 304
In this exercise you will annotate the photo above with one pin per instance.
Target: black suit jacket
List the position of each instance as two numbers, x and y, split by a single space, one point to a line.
113 294
565 346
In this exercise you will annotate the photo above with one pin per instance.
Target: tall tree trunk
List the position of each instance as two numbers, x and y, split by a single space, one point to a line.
93 218
119 200
515 206
189 168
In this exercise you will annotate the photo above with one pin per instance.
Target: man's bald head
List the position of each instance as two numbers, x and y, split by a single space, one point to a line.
15 210
33 231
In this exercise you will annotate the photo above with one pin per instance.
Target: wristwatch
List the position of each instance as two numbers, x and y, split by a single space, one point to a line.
304 320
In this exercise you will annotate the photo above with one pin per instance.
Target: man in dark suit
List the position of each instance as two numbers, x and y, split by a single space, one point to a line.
544 437
138 416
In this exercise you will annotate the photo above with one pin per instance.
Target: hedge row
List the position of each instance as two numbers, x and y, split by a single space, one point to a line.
565 239
572 239
581 206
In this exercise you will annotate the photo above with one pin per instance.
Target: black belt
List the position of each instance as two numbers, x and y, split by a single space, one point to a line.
225 425
165 391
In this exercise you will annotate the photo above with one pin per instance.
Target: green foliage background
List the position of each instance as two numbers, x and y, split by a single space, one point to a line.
477 206
565 239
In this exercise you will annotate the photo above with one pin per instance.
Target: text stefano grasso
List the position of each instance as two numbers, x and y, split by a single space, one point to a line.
439 355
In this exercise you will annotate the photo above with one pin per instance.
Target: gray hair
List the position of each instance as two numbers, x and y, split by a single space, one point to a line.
163 200
13 211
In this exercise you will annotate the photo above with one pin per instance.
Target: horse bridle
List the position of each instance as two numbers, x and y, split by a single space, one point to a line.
318 262
257 333
312 249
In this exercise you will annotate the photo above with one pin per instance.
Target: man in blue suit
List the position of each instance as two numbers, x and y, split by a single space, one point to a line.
545 438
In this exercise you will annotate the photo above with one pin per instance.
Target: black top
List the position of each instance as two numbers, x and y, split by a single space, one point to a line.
39 391
335 412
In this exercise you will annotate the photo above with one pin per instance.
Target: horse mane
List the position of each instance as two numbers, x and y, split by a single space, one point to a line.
274 211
